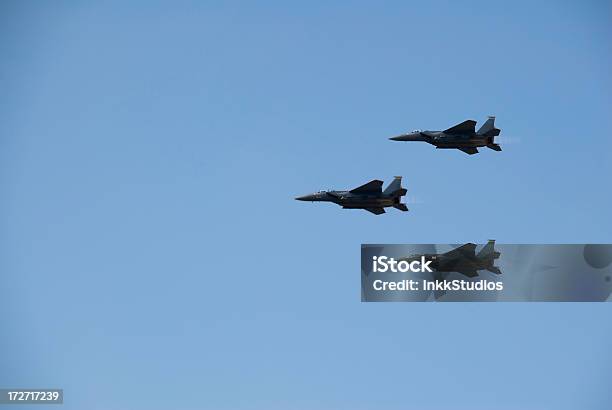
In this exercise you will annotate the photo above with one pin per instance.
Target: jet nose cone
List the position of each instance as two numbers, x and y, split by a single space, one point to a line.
411 136
399 138
304 198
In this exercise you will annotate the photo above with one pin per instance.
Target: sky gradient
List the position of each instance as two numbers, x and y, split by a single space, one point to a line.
152 255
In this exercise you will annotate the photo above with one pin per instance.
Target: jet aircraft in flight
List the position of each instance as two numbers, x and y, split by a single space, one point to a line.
370 197
462 136
463 260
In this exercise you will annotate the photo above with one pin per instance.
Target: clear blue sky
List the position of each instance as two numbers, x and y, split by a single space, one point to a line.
152 256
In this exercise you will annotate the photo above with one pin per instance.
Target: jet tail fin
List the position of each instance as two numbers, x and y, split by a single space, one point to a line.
488 128
401 207
394 187
494 147
488 251
489 254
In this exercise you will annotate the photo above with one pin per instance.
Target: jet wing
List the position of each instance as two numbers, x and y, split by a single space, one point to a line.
469 273
467 249
466 127
376 211
372 187
470 151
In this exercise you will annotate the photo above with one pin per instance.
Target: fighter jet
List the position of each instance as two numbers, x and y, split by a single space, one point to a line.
462 136
463 260
370 197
